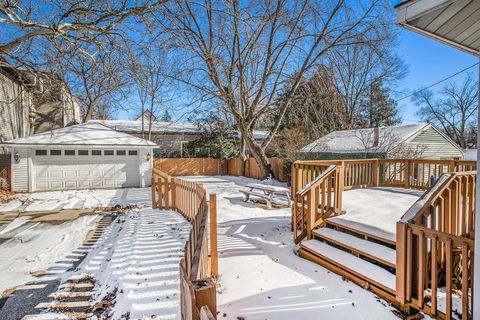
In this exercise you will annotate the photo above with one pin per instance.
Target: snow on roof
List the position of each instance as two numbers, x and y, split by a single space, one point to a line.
157 126
359 140
82 134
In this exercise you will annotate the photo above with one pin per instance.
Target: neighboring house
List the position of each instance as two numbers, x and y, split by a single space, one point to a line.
83 156
33 103
404 141
169 136
54 106
15 103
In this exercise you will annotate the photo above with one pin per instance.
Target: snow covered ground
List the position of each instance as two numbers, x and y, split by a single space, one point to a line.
137 258
78 199
263 278
37 247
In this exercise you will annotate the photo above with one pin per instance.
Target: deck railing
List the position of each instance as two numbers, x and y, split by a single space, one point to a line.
199 264
435 248
318 200
407 173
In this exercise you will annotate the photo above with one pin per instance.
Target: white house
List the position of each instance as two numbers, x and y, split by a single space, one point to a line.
84 156
414 140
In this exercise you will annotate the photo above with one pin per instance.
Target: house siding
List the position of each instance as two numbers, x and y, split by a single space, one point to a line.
433 145
20 170
15 103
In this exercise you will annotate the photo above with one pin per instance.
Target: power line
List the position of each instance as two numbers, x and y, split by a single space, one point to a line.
438 82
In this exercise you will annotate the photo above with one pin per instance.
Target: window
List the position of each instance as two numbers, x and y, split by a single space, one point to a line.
83 152
132 152
121 152
55 152
96 152
108 152
69 152
40 152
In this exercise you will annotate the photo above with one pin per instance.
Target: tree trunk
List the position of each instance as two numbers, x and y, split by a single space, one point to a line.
243 155
260 157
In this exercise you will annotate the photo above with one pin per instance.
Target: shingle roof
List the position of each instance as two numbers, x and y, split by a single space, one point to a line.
353 141
135 126
82 134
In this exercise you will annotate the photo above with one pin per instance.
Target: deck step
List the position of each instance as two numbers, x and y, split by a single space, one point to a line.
360 268
374 251
70 294
366 231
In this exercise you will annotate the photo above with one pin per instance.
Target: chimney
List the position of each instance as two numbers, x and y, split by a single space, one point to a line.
376 136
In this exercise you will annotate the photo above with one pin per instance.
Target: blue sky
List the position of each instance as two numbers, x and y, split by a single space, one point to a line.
428 61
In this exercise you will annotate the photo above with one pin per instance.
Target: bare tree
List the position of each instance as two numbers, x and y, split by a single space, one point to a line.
243 53
34 27
454 111
358 69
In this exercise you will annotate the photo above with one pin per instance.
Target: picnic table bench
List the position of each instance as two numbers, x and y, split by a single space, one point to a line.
265 192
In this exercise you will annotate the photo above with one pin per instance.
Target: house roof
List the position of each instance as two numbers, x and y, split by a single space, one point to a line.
353 141
86 134
452 22
135 126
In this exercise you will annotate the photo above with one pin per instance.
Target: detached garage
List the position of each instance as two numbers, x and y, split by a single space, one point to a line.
84 156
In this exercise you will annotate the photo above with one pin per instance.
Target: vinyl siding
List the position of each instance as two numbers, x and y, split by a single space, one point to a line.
20 171
433 146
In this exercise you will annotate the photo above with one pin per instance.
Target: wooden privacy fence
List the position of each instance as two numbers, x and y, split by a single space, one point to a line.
435 248
199 264
212 166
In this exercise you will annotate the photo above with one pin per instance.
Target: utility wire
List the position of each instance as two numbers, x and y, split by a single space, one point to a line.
438 82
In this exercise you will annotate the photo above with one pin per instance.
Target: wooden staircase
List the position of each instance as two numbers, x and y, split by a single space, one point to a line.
364 258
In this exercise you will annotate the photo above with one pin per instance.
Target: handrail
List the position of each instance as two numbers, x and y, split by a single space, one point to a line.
315 182
435 246
198 265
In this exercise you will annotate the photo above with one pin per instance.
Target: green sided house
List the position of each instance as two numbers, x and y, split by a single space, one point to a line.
419 141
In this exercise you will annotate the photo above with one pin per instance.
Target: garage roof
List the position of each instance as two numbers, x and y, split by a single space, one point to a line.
86 134
454 22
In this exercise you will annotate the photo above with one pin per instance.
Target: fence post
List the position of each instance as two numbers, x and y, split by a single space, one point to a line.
154 193
213 235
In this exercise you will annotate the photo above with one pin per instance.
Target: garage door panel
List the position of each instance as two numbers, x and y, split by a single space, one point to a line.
85 172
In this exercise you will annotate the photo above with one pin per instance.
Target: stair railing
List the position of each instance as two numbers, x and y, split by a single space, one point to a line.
435 240
319 199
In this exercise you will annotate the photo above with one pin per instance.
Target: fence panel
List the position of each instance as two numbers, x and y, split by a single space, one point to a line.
197 265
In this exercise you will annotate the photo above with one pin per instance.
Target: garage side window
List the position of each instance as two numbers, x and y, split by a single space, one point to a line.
55 152
121 152
83 152
108 152
69 152
96 152
40 152
132 152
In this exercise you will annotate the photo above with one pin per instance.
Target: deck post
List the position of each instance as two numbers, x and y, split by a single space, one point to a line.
154 191
376 164
401 265
340 186
407 174
310 213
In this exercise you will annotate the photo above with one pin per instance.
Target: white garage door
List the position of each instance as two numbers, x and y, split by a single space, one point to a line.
82 170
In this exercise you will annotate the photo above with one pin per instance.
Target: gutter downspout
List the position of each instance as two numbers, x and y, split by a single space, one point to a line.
476 263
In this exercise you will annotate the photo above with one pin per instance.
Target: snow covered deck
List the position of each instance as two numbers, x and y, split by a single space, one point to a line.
376 211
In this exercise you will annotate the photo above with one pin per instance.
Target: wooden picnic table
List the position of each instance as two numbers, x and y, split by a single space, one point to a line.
266 192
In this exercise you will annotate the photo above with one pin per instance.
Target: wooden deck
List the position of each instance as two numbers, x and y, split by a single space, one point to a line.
400 228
